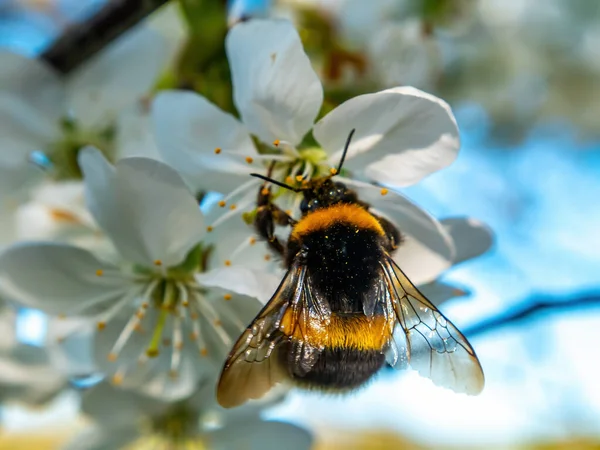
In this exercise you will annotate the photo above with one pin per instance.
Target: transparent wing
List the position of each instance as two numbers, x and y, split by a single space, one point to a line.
426 339
265 352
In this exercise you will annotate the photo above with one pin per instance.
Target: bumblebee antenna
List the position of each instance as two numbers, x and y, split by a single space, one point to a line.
271 180
345 152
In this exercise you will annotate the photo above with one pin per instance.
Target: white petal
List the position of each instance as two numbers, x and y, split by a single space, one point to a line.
144 206
135 136
23 130
26 376
69 346
188 129
34 83
57 278
471 237
438 292
427 249
98 438
402 135
276 91
117 77
241 280
112 407
260 435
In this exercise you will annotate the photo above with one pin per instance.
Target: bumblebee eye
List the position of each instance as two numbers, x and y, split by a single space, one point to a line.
304 205
313 204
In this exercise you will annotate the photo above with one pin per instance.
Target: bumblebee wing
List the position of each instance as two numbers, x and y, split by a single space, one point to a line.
426 339
258 360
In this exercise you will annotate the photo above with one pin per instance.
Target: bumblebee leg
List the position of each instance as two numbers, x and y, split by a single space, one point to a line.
267 216
394 238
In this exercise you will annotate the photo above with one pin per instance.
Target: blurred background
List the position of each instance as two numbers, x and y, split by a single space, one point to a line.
523 79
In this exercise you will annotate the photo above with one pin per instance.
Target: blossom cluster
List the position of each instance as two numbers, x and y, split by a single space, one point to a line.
111 229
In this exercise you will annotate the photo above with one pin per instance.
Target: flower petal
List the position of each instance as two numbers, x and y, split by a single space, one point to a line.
438 292
471 237
33 83
112 407
241 280
260 435
57 278
117 77
69 346
402 135
188 129
98 438
276 91
427 249
144 207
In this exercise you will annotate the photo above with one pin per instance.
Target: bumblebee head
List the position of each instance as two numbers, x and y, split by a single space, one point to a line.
324 193
320 192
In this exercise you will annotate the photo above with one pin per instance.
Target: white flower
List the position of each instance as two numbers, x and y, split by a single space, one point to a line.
159 323
471 239
126 420
26 374
402 134
46 118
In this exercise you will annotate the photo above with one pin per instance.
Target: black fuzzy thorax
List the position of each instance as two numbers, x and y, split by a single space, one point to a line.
343 263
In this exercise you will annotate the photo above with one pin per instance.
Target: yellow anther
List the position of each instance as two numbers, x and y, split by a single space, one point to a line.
117 379
217 323
289 179
209 228
267 257
62 316
264 191
112 357
152 352
101 326
276 142
227 262
166 342
232 207
99 272
249 160
288 212
194 336
384 191
217 150
194 316
333 171
145 305
185 304
299 178
173 374
227 296
222 203
140 314
204 352
138 328
252 240
157 262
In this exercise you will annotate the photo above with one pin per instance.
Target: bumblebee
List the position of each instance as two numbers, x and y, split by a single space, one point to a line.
344 308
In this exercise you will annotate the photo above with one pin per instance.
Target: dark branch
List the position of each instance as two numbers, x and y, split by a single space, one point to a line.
537 306
83 40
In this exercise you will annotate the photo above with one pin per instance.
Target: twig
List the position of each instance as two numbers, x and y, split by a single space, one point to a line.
537 305
81 41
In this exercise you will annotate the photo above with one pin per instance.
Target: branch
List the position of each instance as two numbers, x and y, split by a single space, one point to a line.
536 306
81 41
